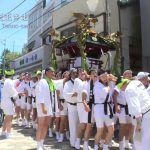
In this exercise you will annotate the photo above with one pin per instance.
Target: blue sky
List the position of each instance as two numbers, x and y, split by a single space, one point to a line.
16 33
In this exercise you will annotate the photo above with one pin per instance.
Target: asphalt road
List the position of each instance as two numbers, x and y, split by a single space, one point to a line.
24 139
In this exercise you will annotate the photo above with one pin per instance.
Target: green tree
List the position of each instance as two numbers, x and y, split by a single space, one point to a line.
7 57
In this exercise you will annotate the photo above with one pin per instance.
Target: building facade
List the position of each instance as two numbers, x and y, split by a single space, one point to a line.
57 14
131 41
145 30
108 22
134 25
39 41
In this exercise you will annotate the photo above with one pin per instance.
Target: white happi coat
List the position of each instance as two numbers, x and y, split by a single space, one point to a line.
8 92
138 101
60 87
78 88
43 96
33 86
72 111
137 98
67 94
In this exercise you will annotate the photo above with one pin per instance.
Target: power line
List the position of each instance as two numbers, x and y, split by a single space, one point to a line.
15 8
51 10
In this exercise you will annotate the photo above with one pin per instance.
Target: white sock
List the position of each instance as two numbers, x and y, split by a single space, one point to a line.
127 141
78 140
85 142
57 133
121 144
38 143
95 147
105 147
42 141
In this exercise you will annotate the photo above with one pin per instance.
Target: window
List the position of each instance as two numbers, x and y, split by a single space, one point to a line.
27 60
50 39
22 62
68 32
44 40
44 3
35 56
32 58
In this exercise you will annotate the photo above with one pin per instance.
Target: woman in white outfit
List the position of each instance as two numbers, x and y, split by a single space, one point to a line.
103 111
44 108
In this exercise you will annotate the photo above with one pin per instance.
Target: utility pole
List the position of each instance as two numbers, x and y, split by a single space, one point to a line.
4 43
13 49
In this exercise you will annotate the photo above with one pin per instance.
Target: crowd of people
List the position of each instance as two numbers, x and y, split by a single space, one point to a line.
73 103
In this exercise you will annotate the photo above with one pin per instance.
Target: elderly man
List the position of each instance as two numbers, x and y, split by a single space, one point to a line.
138 101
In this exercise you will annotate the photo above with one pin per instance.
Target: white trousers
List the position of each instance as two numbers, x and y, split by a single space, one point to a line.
73 124
145 141
145 134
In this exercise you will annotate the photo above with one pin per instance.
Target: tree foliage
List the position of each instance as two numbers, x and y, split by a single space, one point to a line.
7 57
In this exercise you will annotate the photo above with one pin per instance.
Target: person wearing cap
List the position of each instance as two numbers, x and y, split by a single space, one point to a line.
44 105
125 120
143 77
138 101
10 94
72 106
103 112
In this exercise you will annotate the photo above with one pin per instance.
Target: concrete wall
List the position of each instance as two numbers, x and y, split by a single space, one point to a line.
131 36
113 19
64 14
145 24
46 56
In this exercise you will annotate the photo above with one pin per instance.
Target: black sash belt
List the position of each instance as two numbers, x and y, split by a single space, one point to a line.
107 105
34 99
26 99
125 107
105 108
74 104
52 96
91 102
62 100
13 100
